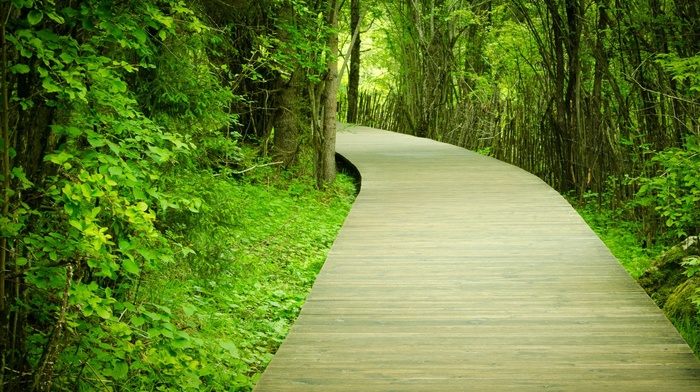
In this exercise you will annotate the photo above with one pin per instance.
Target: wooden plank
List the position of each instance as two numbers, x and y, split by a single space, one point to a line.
456 272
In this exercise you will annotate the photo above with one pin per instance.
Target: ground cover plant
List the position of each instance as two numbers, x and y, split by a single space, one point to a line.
261 240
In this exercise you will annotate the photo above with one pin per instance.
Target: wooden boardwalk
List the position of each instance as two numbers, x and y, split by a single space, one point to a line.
457 272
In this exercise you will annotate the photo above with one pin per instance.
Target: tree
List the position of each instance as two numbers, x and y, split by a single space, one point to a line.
286 120
325 137
354 75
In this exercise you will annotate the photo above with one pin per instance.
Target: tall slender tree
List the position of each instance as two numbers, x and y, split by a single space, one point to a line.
325 148
354 75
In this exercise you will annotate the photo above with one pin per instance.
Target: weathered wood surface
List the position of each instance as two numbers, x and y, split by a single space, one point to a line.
457 272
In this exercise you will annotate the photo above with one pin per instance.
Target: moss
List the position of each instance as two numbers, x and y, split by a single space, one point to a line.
665 281
679 304
666 274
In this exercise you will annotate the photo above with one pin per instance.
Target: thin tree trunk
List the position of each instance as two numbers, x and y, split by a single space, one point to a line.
325 162
5 163
4 313
354 75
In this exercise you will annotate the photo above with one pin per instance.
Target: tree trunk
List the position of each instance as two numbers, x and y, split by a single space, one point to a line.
286 137
566 37
325 161
354 75
4 123
285 121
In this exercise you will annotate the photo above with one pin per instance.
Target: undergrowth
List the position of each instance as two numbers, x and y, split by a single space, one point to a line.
260 240
619 235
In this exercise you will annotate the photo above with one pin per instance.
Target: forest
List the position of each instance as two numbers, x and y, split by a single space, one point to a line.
170 186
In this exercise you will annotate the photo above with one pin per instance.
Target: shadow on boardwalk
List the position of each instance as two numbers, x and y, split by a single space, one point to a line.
455 271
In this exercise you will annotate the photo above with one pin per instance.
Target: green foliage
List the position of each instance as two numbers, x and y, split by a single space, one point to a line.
86 241
485 151
182 102
259 244
683 70
269 43
682 309
138 256
306 46
674 192
692 265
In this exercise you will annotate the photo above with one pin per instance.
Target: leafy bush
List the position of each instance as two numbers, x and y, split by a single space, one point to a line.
81 228
674 193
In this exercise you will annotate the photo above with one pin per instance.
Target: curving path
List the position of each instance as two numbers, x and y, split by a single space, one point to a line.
457 272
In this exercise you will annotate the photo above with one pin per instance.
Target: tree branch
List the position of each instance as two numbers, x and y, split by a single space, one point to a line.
255 167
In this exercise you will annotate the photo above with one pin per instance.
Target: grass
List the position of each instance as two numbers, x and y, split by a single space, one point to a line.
259 243
690 330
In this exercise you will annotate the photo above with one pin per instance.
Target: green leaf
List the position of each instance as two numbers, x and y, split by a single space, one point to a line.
35 17
97 142
55 17
181 344
103 312
120 370
230 347
115 171
87 311
154 332
67 58
139 194
117 86
88 25
642 190
189 310
22 3
130 266
137 321
114 147
164 309
50 86
140 36
124 245
20 68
